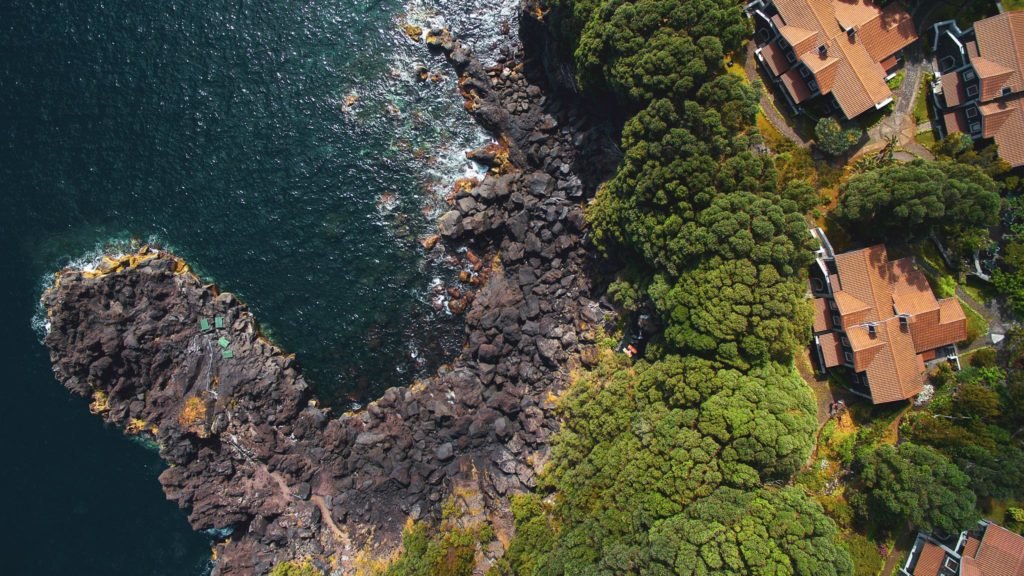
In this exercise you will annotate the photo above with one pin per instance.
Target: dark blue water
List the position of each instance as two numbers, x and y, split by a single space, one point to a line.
219 129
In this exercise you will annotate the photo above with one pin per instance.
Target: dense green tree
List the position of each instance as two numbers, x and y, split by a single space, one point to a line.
649 49
735 533
735 311
916 198
833 139
648 446
919 485
977 401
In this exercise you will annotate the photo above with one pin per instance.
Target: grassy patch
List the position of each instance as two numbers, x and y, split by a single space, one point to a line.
736 69
977 326
922 102
896 81
978 289
926 138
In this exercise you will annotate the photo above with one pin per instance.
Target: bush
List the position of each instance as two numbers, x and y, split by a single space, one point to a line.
866 559
984 358
296 568
833 139
919 485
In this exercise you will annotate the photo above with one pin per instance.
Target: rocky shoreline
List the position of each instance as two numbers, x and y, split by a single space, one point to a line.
255 460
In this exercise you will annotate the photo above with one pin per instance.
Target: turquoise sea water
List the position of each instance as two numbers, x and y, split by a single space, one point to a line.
219 129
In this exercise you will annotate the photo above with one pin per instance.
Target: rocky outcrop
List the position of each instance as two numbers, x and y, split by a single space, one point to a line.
253 456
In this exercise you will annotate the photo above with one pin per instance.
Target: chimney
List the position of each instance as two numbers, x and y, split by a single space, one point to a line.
823 51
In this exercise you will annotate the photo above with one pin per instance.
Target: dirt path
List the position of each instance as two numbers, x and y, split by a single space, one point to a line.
902 545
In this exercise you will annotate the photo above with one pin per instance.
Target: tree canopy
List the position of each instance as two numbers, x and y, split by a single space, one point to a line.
833 138
649 49
919 485
917 198
657 471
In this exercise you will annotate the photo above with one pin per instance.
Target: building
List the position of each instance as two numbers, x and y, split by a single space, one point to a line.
878 320
980 91
841 50
987 550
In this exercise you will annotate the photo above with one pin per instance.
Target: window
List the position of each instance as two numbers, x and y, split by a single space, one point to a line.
837 321
1006 90
972 112
947 63
790 57
783 43
871 329
804 72
813 85
849 357
968 75
972 91
832 305
817 285
952 564
845 341
975 127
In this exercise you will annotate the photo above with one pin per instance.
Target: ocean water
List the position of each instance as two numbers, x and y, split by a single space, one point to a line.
285 149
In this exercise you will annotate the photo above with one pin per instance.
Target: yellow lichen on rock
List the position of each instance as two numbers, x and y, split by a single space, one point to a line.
193 416
100 402
413 31
137 426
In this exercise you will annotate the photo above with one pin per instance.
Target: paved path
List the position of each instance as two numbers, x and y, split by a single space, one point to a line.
769 98
900 122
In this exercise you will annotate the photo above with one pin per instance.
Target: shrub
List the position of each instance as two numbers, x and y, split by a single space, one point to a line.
296 568
833 139
866 559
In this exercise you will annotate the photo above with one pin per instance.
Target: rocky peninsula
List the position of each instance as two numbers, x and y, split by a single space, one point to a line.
253 458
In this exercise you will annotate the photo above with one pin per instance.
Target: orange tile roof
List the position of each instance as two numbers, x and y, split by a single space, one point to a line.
854 14
953 89
848 303
970 567
993 77
801 40
891 30
1001 41
1009 136
822 316
874 290
972 48
930 561
954 121
971 546
895 372
830 350
857 79
796 85
1001 552
775 58
861 274
995 114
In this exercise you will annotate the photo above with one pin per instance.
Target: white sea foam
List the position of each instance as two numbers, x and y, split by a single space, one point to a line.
86 262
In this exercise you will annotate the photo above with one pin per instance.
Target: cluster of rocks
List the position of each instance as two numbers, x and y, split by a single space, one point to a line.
251 453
